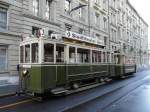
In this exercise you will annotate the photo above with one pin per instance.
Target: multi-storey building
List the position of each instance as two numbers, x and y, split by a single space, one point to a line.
114 24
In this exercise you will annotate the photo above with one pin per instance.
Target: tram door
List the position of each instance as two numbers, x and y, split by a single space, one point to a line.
61 51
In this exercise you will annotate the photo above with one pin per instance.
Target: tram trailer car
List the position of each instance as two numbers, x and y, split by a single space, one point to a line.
38 78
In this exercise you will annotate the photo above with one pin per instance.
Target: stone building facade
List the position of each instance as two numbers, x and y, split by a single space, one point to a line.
114 23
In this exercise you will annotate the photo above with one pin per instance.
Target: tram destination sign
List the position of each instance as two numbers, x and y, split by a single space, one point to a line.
80 37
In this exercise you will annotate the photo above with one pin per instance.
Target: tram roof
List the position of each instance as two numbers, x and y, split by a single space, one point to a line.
35 39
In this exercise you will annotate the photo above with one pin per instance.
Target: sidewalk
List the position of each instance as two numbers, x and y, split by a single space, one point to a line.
8 85
143 67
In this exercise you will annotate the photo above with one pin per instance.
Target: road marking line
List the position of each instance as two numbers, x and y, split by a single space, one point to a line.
14 104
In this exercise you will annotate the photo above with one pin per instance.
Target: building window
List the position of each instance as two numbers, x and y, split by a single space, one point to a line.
97 2
3 58
67 5
104 4
48 6
36 7
82 12
3 18
81 31
68 27
35 31
104 23
97 19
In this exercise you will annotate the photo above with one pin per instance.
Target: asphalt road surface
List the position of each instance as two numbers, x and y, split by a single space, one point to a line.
117 96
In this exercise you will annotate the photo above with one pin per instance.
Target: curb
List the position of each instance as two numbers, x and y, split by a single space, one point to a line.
7 94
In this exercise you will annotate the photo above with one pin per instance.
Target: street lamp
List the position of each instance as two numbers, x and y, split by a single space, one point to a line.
76 8
81 6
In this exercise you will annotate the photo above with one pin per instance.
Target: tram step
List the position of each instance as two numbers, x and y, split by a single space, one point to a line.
59 91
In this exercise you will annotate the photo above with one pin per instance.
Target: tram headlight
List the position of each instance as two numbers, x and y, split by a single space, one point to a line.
25 72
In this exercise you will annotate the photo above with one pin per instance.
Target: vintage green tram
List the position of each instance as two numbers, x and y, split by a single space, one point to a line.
59 65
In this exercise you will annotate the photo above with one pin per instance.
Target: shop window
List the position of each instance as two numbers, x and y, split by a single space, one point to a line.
72 57
3 58
3 18
48 52
83 56
27 53
35 53
59 53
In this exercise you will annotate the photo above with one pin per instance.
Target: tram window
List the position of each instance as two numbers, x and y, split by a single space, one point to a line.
83 56
94 57
104 57
72 55
99 57
108 58
27 53
35 53
59 53
21 54
48 52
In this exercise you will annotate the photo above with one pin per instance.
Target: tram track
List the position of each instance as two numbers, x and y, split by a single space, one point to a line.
122 92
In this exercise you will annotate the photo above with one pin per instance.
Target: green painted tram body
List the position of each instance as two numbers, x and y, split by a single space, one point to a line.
43 78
